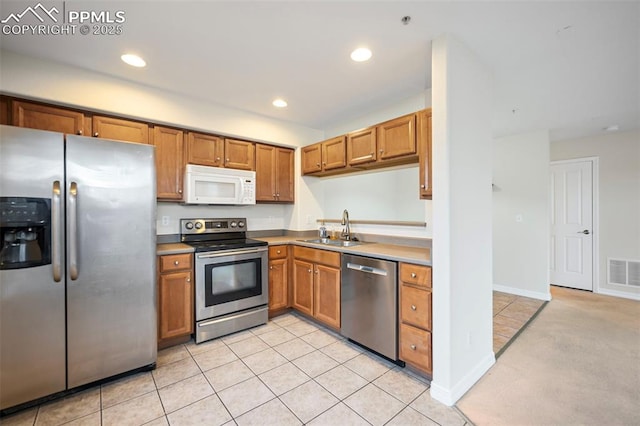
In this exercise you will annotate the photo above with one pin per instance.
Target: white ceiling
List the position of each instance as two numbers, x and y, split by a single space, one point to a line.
570 67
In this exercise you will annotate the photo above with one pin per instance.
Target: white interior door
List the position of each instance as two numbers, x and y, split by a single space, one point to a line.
572 224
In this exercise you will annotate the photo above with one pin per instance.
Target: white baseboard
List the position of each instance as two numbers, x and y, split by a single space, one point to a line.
520 292
451 396
616 293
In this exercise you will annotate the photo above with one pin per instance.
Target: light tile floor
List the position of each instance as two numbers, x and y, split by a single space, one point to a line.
288 372
510 314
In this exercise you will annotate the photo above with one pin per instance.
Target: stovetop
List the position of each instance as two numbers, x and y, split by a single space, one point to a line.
216 234
202 246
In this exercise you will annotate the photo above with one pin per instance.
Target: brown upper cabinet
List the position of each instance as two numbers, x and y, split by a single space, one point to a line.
324 156
274 174
4 111
397 137
424 149
205 150
361 146
239 154
46 117
169 145
119 129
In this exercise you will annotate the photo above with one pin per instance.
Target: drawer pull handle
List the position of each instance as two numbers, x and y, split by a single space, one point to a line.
413 275
413 307
176 263
413 347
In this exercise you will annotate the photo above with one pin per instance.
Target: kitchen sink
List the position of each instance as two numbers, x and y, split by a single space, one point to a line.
336 243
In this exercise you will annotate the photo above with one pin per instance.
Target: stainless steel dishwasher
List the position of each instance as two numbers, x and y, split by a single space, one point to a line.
369 301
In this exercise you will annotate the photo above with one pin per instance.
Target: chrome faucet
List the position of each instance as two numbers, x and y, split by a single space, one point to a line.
346 232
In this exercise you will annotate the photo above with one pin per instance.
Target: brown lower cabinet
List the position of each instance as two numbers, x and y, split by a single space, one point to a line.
175 298
278 278
415 316
316 284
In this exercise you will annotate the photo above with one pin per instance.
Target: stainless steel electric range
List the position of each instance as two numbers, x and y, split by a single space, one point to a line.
231 283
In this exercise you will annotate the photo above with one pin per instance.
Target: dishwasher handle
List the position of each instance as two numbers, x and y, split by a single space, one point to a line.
367 269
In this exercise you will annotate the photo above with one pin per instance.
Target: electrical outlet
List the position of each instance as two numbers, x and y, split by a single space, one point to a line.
165 220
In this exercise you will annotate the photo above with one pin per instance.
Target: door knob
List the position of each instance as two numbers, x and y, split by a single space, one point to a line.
585 232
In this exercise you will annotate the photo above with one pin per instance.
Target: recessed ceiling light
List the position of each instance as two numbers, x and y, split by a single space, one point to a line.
361 54
279 103
612 128
133 60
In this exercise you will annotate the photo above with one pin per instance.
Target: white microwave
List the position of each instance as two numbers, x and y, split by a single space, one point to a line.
217 185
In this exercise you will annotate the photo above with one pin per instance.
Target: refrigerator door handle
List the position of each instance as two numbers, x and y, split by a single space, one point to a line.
56 243
73 231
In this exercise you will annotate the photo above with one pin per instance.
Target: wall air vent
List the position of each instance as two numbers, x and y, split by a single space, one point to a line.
623 272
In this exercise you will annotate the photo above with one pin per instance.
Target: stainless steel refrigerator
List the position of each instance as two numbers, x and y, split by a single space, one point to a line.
77 266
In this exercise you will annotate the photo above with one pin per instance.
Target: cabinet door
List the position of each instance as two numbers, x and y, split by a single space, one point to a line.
4 110
303 286
312 159
397 137
120 130
266 173
424 152
334 153
278 285
204 150
36 116
361 147
169 145
239 154
327 295
284 174
176 304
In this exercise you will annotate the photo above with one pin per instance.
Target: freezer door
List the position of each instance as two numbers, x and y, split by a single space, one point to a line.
111 255
32 322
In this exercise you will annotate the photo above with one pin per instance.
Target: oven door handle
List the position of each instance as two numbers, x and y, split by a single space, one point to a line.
230 253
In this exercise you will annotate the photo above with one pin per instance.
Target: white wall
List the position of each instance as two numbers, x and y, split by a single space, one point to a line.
521 249
61 84
462 275
619 191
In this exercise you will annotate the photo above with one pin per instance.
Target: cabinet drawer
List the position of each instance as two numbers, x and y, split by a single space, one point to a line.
415 347
277 252
175 262
325 257
415 307
415 274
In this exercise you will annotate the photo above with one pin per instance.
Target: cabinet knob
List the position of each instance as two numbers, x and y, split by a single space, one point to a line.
413 347
381 151
79 132
179 191
278 195
422 186
413 275
274 195
176 263
96 134
318 164
278 252
324 163
217 159
188 280
310 271
271 268
413 307
227 160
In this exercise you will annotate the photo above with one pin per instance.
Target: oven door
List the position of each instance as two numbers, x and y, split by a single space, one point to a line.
230 280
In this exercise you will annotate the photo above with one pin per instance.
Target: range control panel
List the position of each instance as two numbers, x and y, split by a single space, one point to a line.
212 226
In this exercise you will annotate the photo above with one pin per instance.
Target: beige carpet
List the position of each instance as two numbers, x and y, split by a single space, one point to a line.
577 363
